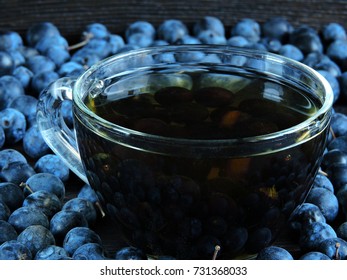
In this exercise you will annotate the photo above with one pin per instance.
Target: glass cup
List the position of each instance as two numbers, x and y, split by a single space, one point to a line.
191 147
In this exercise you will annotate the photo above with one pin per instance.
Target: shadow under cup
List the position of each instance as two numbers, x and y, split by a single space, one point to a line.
178 183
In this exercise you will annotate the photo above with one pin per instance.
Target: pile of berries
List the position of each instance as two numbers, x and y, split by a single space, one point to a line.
38 220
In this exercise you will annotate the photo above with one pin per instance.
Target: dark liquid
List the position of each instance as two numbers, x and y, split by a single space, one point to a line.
182 206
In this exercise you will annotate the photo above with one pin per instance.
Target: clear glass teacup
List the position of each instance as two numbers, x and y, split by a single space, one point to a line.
190 147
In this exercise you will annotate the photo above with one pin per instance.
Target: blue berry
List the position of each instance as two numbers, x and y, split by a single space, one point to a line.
33 143
210 37
88 193
78 236
89 251
14 250
45 201
248 28
140 33
17 58
16 172
342 199
40 63
306 39
332 158
6 63
258 239
116 42
291 51
24 75
10 40
14 124
326 201
71 69
7 232
43 79
45 182
85 57
271 44
5 212
98 30
26 104
339 124
58 55
172 30
274 253
322 181
139 40
11 195
52 164
342 79
67 112
23 217
65 220
83 206
99 47
277 28
337 51
339 143
10 89
40 30
313 234
52 252
211 23
314 255
2 137
10 155
46 42
130 253
238 41
36 238
333 31
334 83
335 248
306 213
341 231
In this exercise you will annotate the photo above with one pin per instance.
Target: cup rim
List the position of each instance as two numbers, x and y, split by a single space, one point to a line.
307 125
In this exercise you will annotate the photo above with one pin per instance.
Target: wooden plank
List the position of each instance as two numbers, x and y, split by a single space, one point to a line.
72 16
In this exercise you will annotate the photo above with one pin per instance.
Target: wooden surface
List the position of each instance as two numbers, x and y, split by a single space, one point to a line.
72 16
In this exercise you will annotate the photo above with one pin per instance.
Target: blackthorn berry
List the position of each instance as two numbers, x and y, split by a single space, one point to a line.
47 202
23 217
130 253
52 252
78 236
313 234
274 253
14 250
89 251
314 255
65 220
11 195
36 238
7 232
14 124
16 172
83 206
46 182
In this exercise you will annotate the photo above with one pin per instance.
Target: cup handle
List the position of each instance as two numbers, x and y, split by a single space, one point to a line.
58 136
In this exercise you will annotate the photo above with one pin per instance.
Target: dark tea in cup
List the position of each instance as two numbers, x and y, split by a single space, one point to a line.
193 147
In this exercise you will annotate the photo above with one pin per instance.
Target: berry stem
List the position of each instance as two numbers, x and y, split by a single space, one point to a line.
332 133
86 38
337 247
99 207
216 250
26 186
